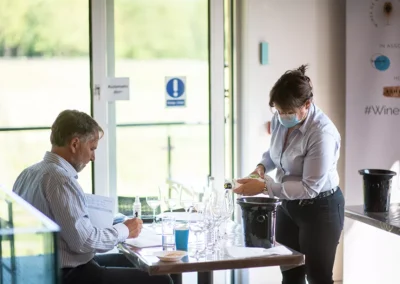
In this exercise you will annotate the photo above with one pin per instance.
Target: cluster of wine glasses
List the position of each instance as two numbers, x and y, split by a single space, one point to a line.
174 196
209 209
210 217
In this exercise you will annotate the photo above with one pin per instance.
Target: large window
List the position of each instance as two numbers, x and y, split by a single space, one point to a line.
44 69
155 39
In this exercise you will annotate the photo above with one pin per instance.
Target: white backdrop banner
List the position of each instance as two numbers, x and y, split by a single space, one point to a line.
372 92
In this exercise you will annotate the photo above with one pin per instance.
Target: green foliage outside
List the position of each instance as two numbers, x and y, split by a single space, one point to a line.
145 29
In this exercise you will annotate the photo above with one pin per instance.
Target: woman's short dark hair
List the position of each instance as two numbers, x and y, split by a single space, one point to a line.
291 90
73 123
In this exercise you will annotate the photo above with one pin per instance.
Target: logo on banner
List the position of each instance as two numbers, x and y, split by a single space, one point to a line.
380 62
381 12
392 92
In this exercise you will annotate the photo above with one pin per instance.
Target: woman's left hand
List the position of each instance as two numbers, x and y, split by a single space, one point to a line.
249 186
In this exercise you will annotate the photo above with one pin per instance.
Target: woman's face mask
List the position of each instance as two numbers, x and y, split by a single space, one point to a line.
288 120
291 119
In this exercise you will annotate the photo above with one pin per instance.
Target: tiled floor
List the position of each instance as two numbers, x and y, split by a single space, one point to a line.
258 276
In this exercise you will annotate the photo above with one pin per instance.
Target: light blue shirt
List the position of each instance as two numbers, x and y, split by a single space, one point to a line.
51 186
308 164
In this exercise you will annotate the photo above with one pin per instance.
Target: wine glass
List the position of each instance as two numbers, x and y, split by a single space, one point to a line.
216 203
187 203
188 200
196 225
171 195
228 208
209 229
153 202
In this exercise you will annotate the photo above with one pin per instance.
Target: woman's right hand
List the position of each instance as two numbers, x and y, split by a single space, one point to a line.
260 171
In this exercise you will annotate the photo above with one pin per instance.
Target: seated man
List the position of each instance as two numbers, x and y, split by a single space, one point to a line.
52 187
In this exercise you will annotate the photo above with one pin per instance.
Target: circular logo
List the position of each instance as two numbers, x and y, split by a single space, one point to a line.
380 62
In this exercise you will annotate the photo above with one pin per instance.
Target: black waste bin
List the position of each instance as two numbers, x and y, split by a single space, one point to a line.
258 216
377 189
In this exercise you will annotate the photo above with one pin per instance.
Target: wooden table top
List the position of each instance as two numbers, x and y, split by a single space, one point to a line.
146 261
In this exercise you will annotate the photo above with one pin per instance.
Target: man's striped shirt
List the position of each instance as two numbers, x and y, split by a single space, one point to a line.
51 186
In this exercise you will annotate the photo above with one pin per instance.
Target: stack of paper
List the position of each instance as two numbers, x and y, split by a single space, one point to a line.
100 209
147 238
246 252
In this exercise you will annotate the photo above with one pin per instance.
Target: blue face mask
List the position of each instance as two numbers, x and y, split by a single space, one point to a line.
288 120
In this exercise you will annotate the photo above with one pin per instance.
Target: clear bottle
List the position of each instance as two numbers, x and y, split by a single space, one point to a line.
231 184
209 236
211 190
211 183
137 208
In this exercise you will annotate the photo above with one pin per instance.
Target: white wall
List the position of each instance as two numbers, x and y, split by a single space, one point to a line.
298 32
369 252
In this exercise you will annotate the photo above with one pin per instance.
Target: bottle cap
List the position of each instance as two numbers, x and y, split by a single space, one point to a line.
228 185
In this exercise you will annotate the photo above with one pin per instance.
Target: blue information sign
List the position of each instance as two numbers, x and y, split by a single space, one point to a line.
175 91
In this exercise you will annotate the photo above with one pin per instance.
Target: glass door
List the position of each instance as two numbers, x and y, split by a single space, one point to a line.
172 127
157 140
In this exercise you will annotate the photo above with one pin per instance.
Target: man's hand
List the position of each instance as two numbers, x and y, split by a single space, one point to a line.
249 186
135 227
258 171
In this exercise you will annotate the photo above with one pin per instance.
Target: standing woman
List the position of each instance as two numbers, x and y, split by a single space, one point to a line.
304 149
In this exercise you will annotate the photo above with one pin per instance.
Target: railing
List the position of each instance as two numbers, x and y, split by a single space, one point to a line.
169 143
28 243
169 146
169 164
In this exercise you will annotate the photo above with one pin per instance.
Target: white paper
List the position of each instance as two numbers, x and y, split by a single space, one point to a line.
181 216
100 210
147 238
248 252
117 89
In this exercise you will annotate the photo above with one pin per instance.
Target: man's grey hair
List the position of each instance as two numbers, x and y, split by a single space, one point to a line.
72 123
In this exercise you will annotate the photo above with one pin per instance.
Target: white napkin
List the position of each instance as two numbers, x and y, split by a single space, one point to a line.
181 216
147 238
246 252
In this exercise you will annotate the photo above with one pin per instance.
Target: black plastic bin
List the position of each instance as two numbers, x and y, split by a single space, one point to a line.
377 189
258 216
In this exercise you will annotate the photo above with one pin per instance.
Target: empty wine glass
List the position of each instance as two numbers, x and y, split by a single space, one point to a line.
188 200
228 208
171 195
209 226
217 211
171 203
196 225
153 202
